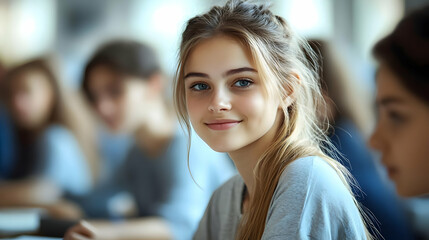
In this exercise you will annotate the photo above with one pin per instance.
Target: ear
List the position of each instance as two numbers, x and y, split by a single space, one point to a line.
290 98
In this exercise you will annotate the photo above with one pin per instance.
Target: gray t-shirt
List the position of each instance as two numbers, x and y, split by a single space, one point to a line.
310 202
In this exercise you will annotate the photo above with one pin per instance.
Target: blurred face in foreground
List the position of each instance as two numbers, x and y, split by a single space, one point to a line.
31 99
402 134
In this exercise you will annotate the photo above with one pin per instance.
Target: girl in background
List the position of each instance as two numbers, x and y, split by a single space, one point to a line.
245 86
402 131
55 154
345 115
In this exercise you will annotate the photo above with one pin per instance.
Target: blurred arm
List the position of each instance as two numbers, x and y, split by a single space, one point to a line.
28 192
37 193
141 228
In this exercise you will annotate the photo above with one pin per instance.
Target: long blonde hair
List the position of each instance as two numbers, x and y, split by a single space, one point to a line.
280 57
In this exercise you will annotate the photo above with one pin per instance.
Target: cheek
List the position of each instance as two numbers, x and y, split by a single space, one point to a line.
195 106
258 109
415 147
111 109
128 106
136 99
133 107
412 158
40 105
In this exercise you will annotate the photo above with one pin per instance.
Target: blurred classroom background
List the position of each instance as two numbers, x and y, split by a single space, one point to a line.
67 33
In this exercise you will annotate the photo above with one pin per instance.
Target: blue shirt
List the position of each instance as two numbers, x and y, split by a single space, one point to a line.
64 161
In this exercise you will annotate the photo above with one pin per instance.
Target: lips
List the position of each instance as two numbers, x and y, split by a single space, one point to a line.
392 171
223 124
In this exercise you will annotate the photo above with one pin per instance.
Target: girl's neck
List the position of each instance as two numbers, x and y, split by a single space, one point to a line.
29 135
157 130
246 158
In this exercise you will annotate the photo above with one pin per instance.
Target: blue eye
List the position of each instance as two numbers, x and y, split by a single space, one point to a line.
200 87
243 83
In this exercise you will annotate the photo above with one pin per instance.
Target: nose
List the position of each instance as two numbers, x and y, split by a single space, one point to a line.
20 103
376 141
220 101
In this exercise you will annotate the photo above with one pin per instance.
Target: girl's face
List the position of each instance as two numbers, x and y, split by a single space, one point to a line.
117 99
31 99
402 135
225 97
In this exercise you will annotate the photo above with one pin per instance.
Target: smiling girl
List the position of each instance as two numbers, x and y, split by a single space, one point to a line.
244 85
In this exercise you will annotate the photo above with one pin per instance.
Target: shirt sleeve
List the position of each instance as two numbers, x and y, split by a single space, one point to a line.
311 202
65 163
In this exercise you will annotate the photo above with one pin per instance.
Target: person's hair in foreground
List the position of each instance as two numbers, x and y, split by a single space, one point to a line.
402 131
287 76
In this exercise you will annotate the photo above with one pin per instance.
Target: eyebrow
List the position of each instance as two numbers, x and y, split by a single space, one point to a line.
385 101
227 73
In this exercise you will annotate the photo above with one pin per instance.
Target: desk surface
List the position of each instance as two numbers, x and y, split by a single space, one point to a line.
20 223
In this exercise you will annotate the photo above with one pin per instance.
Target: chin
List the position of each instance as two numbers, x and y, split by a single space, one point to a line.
116 129
221 146
221 149
404 191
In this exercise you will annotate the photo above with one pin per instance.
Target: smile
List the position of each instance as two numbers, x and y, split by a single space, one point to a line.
222 124
392 172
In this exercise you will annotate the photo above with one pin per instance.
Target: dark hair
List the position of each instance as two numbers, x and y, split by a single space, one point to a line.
26 162
406 52
39 65
125 57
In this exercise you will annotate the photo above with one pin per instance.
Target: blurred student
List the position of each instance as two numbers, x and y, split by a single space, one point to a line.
402 131
52 154
373 191
124 84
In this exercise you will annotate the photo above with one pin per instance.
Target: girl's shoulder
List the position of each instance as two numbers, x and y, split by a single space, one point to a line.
312 200
310 170
312 180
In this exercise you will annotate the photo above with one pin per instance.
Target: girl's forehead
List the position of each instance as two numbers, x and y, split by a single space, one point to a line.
220 52
30 77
